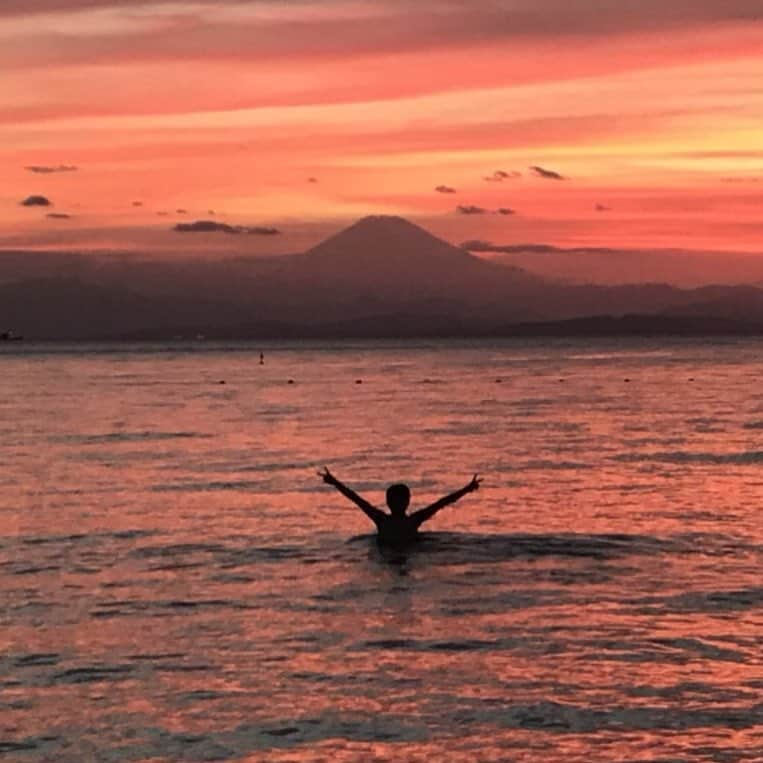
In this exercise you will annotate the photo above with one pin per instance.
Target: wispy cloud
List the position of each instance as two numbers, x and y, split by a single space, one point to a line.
58 216
602 208
396 24
470 209
210 226
445 189
41 169
505 211
500 175
478 245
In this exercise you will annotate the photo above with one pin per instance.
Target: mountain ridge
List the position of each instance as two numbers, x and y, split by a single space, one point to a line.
383 273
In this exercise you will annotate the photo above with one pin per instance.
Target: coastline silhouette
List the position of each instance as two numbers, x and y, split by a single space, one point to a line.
398 528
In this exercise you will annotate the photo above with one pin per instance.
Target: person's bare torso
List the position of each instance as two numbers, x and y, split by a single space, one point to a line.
396 530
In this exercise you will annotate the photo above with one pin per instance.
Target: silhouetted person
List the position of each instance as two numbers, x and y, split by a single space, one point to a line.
398 528
262 359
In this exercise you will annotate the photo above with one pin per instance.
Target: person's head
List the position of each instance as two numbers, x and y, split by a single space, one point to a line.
398 498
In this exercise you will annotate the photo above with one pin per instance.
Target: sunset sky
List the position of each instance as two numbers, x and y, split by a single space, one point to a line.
643 121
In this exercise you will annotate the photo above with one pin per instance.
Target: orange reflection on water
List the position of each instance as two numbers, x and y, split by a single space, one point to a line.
177 582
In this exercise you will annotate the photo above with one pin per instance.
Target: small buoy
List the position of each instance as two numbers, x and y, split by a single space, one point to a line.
561 380
691 378
222 381
358 381
291 381
626 380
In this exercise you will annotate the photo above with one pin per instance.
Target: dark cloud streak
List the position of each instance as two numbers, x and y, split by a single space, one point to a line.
211 226
40 169
430 24
546 174
500 175
478 245
36 201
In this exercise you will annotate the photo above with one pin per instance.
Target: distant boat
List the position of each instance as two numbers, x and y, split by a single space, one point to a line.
9 336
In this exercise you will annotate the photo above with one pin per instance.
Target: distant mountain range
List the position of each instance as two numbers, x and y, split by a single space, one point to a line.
687 269
382 276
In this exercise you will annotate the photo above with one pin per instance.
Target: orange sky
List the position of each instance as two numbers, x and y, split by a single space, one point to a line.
652 110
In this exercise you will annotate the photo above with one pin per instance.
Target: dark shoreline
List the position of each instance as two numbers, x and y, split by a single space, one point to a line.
397 328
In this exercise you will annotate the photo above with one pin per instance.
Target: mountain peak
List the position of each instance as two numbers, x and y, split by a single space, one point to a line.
389 238
386 225
394 261
385 222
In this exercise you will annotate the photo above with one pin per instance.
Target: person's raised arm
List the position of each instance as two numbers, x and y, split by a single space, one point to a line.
371 511
422 515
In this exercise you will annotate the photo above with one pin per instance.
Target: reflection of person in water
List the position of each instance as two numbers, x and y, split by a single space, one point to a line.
398 527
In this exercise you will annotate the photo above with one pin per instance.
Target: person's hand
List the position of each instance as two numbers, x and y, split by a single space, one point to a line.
474 484
327 476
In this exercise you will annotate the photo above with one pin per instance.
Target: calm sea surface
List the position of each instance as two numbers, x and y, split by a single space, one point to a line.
177 584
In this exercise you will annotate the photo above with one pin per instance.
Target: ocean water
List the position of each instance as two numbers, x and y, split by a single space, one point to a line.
177 584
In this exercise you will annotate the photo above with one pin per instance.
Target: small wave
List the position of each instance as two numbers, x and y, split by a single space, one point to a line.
714 601
37 660
177 549
708 424
547 464
445 645
204 695
258 554
117 437
154 608
677 651
26 745
225 558
533 402
743 458
560 717
34 570
182 667
688 691
83 538
93 674
156 656
213 485
467 548
456 428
